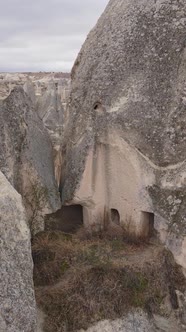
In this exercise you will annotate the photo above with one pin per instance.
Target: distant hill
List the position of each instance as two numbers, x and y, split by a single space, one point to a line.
41 80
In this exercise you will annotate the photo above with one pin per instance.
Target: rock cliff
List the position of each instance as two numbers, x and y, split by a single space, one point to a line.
125 152
50 109
26 157
17 304
48 93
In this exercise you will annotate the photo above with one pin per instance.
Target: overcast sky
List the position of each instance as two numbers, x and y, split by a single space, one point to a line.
44 35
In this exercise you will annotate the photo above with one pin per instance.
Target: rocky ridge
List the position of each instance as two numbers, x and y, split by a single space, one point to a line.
40 82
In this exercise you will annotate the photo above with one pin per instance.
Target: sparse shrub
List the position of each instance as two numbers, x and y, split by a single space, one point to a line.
97 293
117 244
112 232
36 199
52 256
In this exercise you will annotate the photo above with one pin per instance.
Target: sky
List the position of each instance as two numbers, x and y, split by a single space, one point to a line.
44 35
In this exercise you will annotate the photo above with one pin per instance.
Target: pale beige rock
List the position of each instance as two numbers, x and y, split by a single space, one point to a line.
107 189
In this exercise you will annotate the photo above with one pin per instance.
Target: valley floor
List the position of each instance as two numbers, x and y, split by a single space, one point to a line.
81 280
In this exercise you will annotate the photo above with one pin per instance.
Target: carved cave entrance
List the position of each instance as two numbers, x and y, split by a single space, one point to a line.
68 219
115 217
147 220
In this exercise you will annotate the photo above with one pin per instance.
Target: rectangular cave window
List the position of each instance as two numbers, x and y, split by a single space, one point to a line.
147 221
115 217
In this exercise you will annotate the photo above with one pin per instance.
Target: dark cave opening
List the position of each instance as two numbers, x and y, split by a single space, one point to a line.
68 219
147 219
115 217
98 107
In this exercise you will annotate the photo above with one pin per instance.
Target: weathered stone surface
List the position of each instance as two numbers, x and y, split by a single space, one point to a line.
29 89
17 302
138 321
48 93
26 157
51 111
126 134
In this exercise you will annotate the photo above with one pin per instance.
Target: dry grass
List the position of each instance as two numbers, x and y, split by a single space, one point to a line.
90 294
111 232
78 282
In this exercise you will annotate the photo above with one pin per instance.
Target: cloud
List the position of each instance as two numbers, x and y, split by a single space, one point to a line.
45 35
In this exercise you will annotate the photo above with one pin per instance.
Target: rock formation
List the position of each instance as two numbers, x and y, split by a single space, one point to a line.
51 111
29 89
125 158
48 93
17 304
40 81
137 321
26 157
118 154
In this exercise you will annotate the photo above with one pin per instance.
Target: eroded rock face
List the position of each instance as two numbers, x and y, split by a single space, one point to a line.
17 304
51 111
26 157
48 93
29 89
126 137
